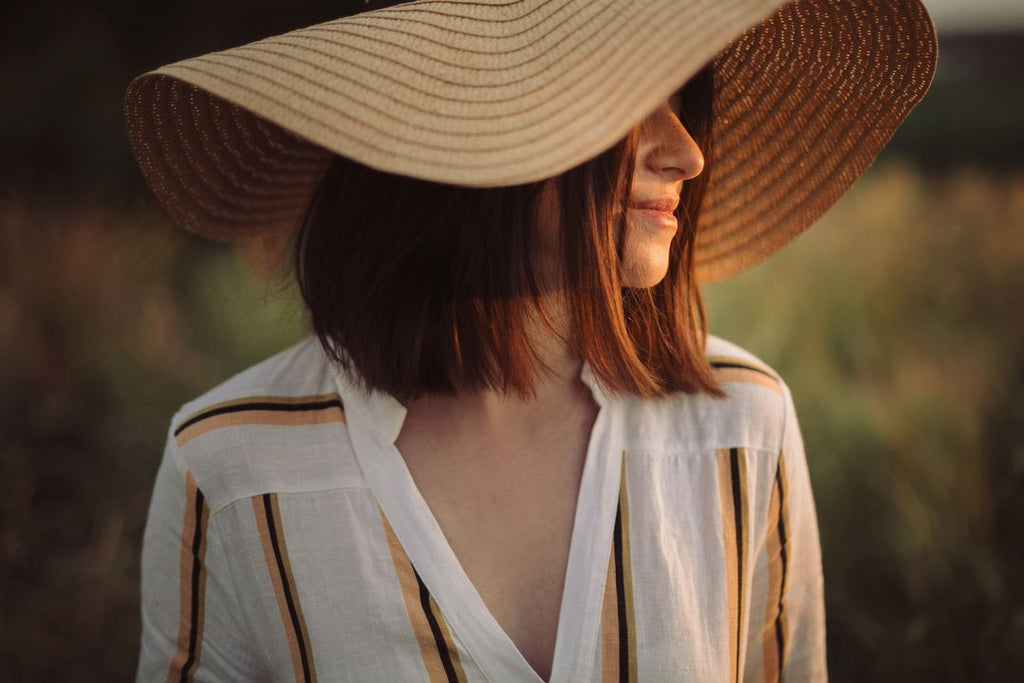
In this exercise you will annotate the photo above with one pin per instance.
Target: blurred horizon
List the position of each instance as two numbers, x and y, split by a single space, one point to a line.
980 16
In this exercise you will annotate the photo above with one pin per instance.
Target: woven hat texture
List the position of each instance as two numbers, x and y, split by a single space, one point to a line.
502 92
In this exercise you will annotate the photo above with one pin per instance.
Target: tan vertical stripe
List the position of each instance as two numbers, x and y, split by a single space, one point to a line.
192 586
626 580
279 567
610 626
419 619
775 614
743 538
298 619
728 516
449 643
732 488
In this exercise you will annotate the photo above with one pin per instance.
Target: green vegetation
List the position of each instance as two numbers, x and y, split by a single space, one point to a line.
897 322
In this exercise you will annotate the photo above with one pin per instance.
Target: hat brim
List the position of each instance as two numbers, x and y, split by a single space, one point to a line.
233 143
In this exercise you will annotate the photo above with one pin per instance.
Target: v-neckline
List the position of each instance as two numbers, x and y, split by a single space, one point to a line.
374 422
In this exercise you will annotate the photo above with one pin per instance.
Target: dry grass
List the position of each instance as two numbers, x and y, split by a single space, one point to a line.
106 321
897 321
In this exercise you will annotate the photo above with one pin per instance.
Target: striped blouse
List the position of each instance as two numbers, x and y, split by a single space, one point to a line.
286 540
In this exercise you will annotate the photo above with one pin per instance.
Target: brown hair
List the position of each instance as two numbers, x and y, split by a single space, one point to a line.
429 288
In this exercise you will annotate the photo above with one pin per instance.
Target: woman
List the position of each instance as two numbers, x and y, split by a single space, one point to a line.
511 452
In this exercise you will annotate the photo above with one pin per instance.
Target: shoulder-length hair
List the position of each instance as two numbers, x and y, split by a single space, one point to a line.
424 287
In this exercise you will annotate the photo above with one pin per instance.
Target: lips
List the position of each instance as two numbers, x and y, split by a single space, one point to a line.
662 219
663 204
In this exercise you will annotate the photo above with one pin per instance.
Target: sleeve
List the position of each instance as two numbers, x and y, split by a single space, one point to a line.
794 632
192 625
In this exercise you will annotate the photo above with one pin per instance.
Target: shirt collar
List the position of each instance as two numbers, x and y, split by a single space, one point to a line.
386 415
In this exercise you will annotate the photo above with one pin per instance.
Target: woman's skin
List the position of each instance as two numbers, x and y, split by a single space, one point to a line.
487 461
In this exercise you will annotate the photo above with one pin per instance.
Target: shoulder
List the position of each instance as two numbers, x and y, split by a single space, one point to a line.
265 429
757 405
733 365
294 383
752 415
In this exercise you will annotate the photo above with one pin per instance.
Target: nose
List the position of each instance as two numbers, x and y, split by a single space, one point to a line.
667 148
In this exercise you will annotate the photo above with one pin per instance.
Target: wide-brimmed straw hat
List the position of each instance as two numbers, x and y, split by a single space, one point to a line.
502 92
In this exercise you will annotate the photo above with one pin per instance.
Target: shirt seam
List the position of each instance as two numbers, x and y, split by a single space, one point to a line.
259 492
787 401
249 632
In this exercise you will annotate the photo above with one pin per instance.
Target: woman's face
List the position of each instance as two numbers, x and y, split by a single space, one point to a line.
666 158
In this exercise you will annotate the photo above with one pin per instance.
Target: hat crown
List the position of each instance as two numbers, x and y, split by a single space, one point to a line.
504 92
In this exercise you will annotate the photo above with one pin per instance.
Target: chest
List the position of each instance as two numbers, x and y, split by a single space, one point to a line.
507 512
374 574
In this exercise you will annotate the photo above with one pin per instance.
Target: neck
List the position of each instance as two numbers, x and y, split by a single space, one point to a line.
555 391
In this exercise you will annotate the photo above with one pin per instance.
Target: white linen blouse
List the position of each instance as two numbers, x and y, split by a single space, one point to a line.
286 540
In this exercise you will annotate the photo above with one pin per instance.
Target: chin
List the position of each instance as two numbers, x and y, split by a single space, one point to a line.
644 275
645 262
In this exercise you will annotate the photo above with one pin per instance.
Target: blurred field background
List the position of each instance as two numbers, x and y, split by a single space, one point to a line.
896 321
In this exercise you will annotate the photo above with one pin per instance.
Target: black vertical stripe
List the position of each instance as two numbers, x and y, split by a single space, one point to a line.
620 596
296 626
197 567
737 505
779 634
435 629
